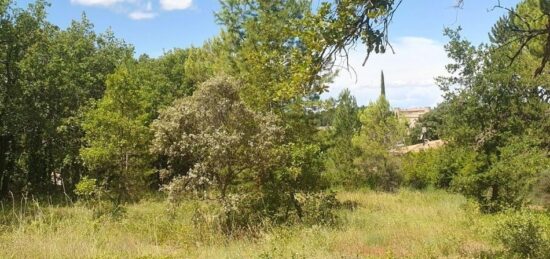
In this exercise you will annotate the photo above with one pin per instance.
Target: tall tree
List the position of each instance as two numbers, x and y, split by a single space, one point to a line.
498 109
50 74
345 124
284 58
381 131
117 139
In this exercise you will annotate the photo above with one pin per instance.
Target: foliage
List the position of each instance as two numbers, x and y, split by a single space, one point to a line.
47 76
228 144
319 208
86 188
432 122
420 170
525 234
284 58
273 58
216 146
541 190
500 111
381 131
340 155
117 136
527 30
451 160
508 182
92 195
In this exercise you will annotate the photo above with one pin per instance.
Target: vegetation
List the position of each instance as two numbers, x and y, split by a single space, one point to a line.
381 132
341 153
403 224
228 150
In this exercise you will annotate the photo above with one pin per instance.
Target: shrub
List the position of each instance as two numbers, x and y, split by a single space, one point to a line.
228 145
237 157
420 170
503 181
86 188
247 213
98 200
339 168
524 234
318 208
450 161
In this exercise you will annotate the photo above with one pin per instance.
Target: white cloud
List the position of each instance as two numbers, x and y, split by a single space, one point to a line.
409 73
97 2
142 15
170 5
137 9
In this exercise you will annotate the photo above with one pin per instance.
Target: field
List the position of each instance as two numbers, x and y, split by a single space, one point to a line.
405 224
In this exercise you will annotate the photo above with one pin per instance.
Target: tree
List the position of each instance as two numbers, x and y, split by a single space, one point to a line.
285 58
381 132
230 146
493 107
117 130
528 29
345 124
429 126
117 136
47 76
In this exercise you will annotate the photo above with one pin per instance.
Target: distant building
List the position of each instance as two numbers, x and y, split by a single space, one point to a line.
411 114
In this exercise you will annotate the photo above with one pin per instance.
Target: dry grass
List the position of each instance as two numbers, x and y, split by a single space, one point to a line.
406 224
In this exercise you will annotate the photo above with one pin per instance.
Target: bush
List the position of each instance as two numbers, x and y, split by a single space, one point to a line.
381 131
86 188
97 199
248 214
238 157
503 181
451 160
318 208
420 170
524 234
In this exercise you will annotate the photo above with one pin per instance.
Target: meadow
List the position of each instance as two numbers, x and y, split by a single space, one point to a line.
416 224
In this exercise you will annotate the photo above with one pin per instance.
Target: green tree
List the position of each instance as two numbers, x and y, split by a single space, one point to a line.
117 136
229 144
283 51
117 128
48 75
493 106
345 124
429 126
381 132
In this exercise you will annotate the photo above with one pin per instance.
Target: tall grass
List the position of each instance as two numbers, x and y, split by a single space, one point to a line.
404 224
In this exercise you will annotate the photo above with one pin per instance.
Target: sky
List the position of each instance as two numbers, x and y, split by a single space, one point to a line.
156 26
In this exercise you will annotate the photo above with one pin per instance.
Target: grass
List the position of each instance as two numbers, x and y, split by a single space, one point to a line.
405 224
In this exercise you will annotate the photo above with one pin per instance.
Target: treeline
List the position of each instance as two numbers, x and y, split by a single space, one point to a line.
47 77
235 120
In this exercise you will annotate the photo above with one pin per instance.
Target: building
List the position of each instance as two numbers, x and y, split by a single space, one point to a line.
411 114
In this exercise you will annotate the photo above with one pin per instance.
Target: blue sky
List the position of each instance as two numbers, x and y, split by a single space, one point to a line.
155 26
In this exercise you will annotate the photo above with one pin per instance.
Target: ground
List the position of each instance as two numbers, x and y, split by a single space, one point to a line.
416 224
